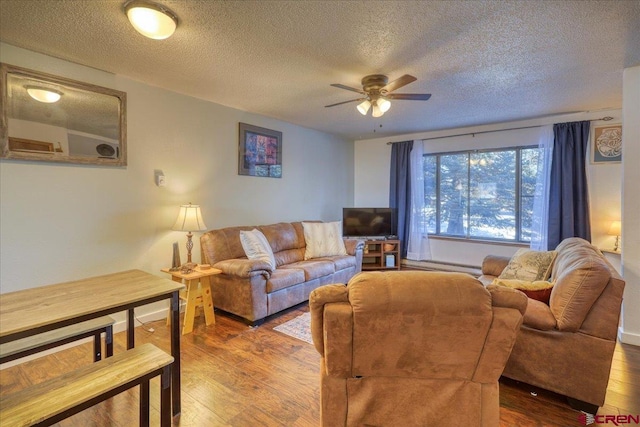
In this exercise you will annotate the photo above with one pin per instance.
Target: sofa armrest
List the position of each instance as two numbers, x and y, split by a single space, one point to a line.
492 265
338 340
317 299
498 343
244 267
502 296
353 245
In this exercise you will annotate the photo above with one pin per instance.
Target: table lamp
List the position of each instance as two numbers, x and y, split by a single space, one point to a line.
189 219
615 230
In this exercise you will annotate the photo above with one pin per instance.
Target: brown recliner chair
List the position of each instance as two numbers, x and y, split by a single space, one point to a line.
413 348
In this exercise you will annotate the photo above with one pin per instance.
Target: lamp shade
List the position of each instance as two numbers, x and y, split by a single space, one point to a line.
189 219
377 111
364 107
384 104
150 19
615 229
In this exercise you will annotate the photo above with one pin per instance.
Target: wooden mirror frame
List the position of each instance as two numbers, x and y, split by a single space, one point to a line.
44 150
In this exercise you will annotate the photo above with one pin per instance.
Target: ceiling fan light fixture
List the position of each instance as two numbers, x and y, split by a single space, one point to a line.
376 92
363 107
41 94
384 104
151 19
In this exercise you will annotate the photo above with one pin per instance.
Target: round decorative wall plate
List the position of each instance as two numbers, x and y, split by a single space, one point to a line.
609 143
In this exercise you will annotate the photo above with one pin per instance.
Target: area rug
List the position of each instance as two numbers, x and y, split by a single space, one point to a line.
299 327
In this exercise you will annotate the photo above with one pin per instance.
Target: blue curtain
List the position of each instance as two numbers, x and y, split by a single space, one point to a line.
400 190
568 193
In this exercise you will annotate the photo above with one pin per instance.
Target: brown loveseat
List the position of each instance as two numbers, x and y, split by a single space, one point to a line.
567 346
251 289
413 348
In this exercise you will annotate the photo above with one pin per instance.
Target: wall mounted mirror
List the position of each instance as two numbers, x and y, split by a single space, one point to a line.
55 119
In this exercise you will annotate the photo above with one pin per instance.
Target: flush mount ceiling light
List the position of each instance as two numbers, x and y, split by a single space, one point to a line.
42 94
151 19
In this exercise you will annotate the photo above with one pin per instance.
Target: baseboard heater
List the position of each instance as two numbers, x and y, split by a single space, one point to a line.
442 266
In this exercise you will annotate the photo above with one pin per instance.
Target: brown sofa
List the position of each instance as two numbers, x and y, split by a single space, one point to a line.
413 348
567 346
251 289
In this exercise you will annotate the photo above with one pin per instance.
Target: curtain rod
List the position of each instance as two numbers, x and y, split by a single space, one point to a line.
606 119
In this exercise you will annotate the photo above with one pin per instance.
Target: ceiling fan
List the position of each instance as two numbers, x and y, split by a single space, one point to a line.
377 93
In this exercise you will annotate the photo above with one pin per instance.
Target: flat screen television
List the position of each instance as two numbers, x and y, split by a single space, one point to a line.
369 222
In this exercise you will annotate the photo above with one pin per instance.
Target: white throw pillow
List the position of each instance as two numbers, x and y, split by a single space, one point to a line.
323 239
256 246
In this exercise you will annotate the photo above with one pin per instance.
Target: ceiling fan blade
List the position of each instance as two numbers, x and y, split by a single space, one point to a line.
410 96
345 102
352 89
399 82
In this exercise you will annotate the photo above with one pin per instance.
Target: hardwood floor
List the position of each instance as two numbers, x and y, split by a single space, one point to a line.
234 375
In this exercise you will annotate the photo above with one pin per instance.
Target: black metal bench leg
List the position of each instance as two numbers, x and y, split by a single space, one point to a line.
175 352
108 340
130 330
165 397
144 404
97 347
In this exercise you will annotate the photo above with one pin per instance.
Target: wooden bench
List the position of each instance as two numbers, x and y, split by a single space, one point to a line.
51 401
30 345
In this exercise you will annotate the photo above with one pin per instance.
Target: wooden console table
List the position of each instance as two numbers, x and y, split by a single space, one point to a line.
36 310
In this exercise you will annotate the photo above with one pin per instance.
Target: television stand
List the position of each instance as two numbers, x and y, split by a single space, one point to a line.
381 254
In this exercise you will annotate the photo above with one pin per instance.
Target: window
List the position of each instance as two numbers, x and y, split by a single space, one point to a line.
481 194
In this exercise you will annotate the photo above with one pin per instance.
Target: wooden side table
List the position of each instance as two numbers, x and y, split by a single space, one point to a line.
195 296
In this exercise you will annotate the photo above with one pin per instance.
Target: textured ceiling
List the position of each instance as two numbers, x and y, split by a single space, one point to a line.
482 61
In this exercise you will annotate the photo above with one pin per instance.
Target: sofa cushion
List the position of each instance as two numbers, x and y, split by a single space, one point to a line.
284 278
539 290
341 262
289 256
313 269
256 247
222 244
581 274
529 265
539 316
282 236
323 239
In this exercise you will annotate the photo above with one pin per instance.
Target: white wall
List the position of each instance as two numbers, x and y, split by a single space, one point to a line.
372 163
630 329
62 222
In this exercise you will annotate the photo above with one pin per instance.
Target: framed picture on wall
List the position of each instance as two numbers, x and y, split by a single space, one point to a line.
259 152
606 144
